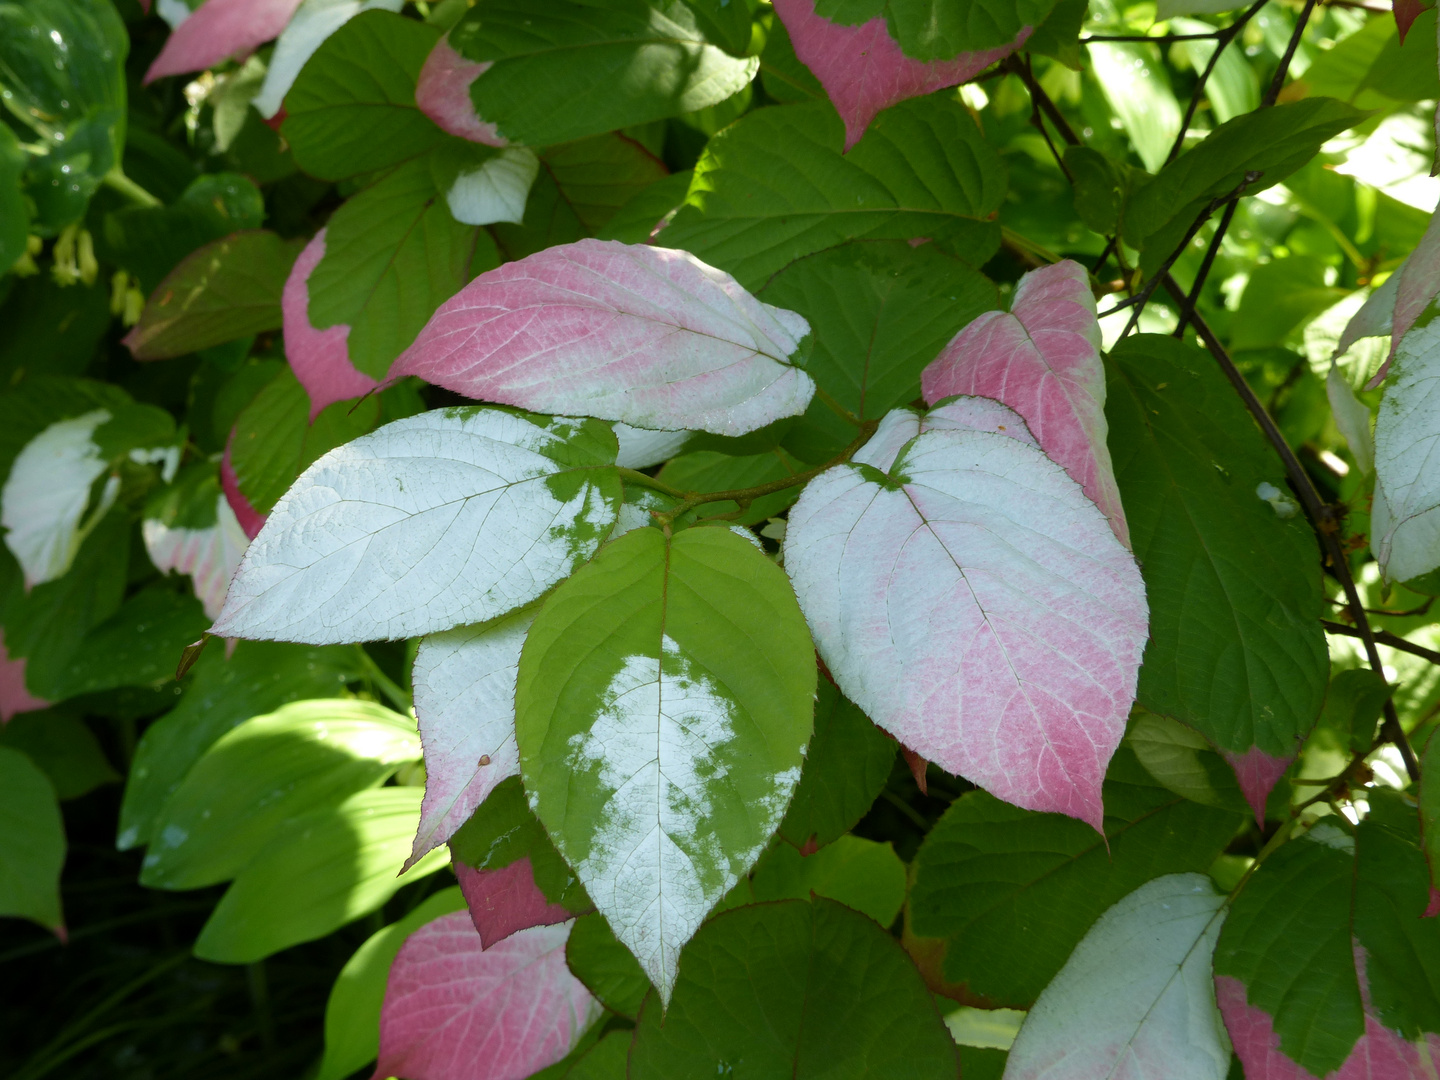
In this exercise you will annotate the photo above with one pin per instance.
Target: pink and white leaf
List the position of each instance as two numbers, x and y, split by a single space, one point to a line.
863 69
220 30
1135 999
455 1010
464 683
313 22
319 358
1379 1054
1042 358
505 901
15 697
210 555
976 604
443 94
648 336
1419 284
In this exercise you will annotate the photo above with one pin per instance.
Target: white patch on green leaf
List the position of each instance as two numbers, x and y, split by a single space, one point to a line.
654 865
46 495
496 190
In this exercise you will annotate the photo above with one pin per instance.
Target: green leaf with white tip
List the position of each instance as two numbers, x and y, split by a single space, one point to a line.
454 516
1136 997
664 703
239 798
328 868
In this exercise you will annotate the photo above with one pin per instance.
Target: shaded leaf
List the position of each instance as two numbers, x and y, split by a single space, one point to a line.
858 873
505 901
607 968
32 843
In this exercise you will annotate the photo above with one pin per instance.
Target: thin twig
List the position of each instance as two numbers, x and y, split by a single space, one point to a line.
1205 265
1161 39
1278 82
1386 638
1037 93
1223 37
1322 517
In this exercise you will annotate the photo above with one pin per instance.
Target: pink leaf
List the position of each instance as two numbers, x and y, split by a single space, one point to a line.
975 603
1433 907
443 94
649 336
456 1011
1380 1054
1257 773
250 519
1406 12
220 30
1419 284
505 901
319 358
14 697
1042 358
863 69
465 701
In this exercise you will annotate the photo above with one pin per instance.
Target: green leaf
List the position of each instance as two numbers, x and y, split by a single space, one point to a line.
62 61
563 70
14 214
504 830
1392 886
32 842
352 109
880 311
64 748
782 74
48 624
1281 296
794 990
846 767
598 176
1101 187
1287 939
1183 761
226 290
706 629
1353 706
326 869
707 470
1372 59
858 873
633 222
151 241
238 799
608 1059
393 254
1012 891
1274 142
51 329
1059 34
352 1013
774 186
137 646
274 441
225 690
938 29
726 23
1236 650
606 967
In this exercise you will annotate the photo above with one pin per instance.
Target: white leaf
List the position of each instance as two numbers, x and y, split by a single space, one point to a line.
465 701
312 23
210 556
974 603
451 517
1136 1000
1406 528
641 448
495 191
46 494
1352 418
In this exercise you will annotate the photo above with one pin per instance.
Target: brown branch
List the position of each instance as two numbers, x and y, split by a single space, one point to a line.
1323 517
1222 38
1278 82
1386 638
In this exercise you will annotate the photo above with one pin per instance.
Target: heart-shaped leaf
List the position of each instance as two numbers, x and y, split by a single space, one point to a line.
974 603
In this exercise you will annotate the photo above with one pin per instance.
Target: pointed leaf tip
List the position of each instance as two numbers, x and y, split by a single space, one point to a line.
1042 358
863 69
1257 773
319 358
450 1004
649 336
971 669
